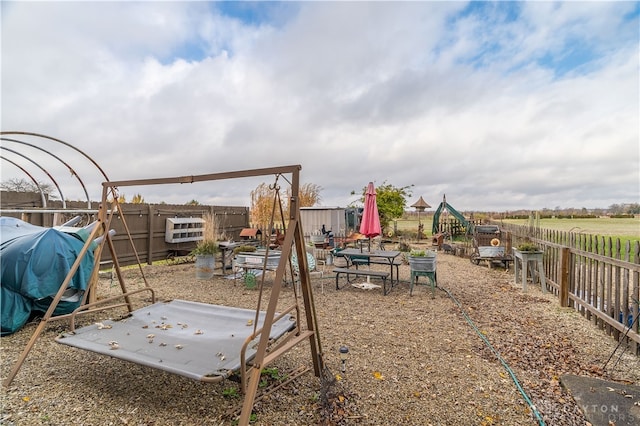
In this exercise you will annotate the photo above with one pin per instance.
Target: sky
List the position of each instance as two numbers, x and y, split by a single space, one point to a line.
498 105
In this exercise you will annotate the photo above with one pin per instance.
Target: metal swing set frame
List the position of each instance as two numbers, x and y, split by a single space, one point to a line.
247 349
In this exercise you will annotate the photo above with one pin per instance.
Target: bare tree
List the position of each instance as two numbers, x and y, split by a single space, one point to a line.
24 185
262 199
262 205
309 194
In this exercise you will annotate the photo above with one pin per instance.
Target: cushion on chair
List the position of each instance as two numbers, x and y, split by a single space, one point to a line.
311 261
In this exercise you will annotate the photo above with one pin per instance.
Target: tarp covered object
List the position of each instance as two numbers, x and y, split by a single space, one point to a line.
35 262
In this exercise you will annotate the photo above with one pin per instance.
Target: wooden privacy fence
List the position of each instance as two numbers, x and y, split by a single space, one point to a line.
147 224
596 275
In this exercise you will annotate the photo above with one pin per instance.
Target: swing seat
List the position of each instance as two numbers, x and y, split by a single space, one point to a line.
195 340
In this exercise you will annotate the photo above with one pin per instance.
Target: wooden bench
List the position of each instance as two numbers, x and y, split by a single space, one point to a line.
362 272
379 261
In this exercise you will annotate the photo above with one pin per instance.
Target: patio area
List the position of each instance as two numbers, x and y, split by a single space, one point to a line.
412 359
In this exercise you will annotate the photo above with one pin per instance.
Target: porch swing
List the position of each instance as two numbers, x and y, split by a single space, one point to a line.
219 341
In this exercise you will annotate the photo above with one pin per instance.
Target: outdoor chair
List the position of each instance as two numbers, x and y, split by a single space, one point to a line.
313 269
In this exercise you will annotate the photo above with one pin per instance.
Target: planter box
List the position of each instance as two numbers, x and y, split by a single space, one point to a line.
528 255
531 261
257 258
426 264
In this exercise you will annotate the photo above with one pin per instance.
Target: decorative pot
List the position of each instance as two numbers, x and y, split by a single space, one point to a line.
422 263
329 259
205 266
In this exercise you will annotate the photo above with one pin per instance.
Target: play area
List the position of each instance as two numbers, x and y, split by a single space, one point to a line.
288 331
180 336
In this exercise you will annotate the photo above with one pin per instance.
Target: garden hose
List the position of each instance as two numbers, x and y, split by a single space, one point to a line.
502 361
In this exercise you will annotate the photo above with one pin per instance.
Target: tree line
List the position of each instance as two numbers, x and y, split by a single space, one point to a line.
391 200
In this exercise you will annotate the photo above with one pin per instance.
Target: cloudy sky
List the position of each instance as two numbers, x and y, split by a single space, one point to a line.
500 106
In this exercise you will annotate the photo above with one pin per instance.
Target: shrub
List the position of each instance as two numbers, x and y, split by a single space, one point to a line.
205 247
244 249
422 253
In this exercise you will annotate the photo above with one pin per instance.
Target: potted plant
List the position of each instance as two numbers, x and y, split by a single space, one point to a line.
530 257
206 249
527 251
528 247
422 260
245 248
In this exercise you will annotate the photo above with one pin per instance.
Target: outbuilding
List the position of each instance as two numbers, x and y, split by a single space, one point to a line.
340 221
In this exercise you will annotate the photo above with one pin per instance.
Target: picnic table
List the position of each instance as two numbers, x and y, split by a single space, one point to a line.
356 257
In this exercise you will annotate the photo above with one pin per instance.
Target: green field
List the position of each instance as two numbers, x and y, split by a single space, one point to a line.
621 228
625 229
412 225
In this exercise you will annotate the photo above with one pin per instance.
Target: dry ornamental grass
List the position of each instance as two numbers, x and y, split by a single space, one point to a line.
412 360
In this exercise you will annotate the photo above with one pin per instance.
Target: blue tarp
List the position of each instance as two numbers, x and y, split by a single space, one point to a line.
35 262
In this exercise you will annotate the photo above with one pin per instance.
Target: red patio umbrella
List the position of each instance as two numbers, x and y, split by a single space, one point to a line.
370 224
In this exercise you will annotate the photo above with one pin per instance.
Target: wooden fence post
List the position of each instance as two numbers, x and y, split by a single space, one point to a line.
564 276
149 234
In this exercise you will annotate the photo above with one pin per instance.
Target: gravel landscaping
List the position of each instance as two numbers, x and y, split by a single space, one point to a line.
494 355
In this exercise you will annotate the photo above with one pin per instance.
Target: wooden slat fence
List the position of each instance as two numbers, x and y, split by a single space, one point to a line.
454 227
597 276
146 223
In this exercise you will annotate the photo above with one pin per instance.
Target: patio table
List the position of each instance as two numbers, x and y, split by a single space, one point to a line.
384 255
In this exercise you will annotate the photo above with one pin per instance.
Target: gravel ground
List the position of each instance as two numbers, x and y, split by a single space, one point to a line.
412 359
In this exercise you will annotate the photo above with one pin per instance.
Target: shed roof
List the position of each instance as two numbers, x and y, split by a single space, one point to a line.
250 232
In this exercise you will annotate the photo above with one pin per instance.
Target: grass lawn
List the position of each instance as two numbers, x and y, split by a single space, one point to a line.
625 229
411 225
620 228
